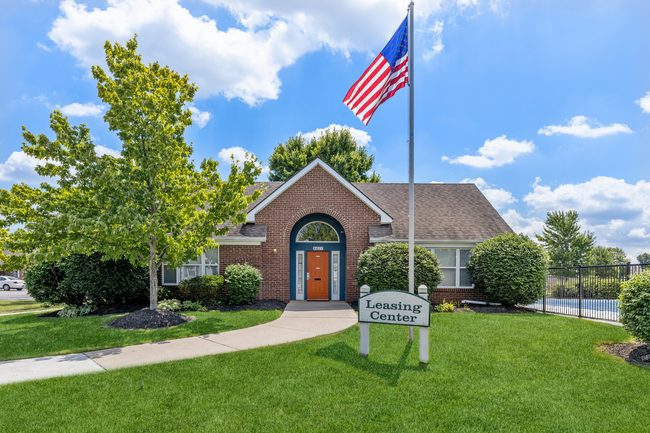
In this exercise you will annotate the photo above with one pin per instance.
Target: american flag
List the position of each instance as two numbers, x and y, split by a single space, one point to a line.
386 75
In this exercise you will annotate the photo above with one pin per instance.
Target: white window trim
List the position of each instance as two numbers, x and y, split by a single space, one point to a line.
202 265
301 296
457 267
335 296
324 242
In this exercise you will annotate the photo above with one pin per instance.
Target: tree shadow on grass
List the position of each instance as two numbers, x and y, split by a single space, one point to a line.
341 352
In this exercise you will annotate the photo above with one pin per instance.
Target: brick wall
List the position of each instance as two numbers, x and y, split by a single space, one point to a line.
316 192
238 254
455 295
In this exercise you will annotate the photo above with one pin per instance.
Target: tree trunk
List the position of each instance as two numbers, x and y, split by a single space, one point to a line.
153 276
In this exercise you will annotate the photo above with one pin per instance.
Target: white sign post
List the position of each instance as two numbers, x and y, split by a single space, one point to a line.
394 307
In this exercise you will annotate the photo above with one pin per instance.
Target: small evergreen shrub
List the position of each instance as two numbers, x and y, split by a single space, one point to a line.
243 283
170 305
634 303
193 306
385 267
509 268
81 279
207 289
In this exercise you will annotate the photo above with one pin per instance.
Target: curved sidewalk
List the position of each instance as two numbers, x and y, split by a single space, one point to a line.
300 320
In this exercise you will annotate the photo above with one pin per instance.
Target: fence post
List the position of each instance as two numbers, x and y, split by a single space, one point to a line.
627 271
580 291
424 332
364 340
544 302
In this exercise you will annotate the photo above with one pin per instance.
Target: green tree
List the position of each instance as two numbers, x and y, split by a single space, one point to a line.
644 258
563 240
148 205
337 148
603 256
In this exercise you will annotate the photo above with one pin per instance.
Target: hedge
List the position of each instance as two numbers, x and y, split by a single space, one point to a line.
243 283
634 303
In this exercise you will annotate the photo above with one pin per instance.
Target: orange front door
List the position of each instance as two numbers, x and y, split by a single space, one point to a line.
318 270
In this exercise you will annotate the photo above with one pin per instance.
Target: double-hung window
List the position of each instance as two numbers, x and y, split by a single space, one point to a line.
453 262
206 264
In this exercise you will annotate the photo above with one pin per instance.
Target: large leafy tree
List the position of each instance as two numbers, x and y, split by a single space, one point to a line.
601 256
563 240
643 258
148 205
337 148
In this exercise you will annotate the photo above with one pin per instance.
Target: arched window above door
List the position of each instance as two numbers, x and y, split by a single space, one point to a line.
317 231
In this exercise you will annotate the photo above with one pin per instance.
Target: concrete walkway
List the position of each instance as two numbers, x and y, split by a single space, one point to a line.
300 320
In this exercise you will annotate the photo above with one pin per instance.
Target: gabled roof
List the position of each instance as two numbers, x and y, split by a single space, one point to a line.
385 217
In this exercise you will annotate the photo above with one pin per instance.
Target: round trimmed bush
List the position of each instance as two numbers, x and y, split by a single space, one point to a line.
243 283
207 289
634 302
386 267
509 268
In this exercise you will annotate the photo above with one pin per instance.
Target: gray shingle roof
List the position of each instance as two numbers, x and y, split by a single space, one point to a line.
442 211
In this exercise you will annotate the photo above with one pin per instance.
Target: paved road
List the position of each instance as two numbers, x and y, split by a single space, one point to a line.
15 295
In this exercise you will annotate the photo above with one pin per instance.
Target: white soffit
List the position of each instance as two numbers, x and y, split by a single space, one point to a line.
385 218
431 243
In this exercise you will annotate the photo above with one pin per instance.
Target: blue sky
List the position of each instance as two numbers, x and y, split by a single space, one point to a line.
545 105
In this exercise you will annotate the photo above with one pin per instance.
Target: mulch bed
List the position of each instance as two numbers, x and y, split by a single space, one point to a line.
631 352
150 319
490 309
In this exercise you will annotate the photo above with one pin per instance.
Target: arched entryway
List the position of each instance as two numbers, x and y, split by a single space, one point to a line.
317 251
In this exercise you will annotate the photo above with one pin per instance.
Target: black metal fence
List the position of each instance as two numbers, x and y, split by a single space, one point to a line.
586 291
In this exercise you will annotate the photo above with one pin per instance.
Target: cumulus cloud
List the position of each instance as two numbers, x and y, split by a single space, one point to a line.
20 168
103 150
46 48
495 153
238 62
362 137
579 127
644 103
200 118
239 153
77 109
499 197
435 33
618 212
520 224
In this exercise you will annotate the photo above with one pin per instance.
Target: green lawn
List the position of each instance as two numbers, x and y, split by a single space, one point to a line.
510 373
23 306
29 336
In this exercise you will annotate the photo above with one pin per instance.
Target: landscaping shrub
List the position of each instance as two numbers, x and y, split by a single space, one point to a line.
82 279
72 311
509 268
193 306
445 307
634 303
243 283
385 267
170 305
207 289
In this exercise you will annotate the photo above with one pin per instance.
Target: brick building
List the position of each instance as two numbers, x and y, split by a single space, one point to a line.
306 234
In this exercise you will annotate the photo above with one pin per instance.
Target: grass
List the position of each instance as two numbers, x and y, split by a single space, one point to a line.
23 306
488 373
30 336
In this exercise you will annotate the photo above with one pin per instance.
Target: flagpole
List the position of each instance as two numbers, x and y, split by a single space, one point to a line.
411 162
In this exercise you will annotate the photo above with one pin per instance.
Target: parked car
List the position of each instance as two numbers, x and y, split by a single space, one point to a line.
11 283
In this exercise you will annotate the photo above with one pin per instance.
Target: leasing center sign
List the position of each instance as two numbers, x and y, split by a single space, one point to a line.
394 307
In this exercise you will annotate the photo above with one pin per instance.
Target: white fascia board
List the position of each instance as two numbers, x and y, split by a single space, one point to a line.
239 241
432 243
385 218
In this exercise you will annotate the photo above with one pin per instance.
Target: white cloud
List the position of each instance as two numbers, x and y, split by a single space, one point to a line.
239 153
103 150
77 109
435 181
520 224
644 103
618 212
436 34
362 137
46 48
20 168
495 153
498 197
579 127
239 62
200 118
